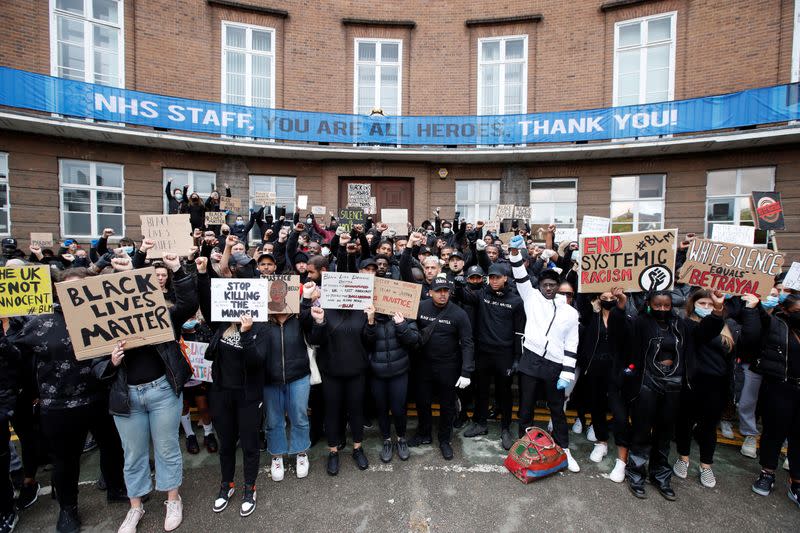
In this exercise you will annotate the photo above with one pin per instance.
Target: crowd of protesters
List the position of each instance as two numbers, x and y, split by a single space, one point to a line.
665 365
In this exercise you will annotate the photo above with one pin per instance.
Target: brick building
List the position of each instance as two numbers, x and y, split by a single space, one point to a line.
73 177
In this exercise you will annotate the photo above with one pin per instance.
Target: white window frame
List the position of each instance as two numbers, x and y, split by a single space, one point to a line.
636 200
502 62
87 50
737 221
378 64
190 175
249 53
93 189
574 182
478 203
272 187
4 180
643 57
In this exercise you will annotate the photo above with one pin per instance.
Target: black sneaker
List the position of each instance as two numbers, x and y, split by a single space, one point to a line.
461 420
402 449
333 463
117 496
360 458
447 450
28 495
794 493
191 445
506 439
387 450
68 521
419 440
8 522
637 489
90 443
666 491
226 491
210 442
475 429
248 501
764 484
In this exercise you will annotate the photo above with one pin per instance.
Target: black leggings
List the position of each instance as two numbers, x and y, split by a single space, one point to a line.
490 365
343 395
6 488
236 418
528 385
604 395
30 440
779 403
390 394
653 413
700 412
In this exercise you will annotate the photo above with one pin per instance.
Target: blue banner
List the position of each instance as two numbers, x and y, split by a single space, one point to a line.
27 90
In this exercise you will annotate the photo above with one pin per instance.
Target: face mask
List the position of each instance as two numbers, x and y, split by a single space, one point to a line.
446 231
782 296
771 302
309 221
560 299
702 312
224 232
660 315
608 305
240 222
576 256
190 324
325 252
241 258
128 250
429 232
728 296
179 197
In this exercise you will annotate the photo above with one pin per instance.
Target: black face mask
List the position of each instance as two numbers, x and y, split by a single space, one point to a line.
660 315
608 305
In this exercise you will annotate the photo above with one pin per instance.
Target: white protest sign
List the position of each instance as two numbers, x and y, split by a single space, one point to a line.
566 234
318 210
265 198
792 279
345 290
396 219
231 298
358 195
593 226
302 202
201 368
504 211
743 235
491 226
522 212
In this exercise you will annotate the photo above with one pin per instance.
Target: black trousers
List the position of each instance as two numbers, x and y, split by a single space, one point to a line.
390 395
235 418
6 488
780 415
442 380
343 395
493 366
543 378
699 414
26 426
653 415
65 431
604 395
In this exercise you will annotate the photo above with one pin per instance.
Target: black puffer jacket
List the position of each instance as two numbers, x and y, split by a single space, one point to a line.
771 333
388 345
9 386
179 371
340 339
285 350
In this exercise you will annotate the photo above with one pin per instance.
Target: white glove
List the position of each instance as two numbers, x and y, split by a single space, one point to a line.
548 254
462 383
480 245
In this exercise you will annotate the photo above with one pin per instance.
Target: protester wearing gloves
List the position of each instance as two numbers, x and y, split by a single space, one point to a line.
549 349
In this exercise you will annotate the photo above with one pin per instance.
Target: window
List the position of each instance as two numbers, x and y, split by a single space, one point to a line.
477 199
248 65
644 60
637 203
377 76
554 202
200 182
728 197
285 195
91 198
5 203
87 42
502 75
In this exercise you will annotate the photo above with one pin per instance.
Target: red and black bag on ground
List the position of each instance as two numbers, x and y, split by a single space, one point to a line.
534 456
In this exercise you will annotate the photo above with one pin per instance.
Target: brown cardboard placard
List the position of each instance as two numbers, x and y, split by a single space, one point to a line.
25 291
42 240
731 268
634 262
522 212
215 218
396 219
229 203
504 211
284 294
507 236
390 296
172 234
103 310
265 198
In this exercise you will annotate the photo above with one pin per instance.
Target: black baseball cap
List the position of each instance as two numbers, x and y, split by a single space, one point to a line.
367 262
457 254
441 282
9 242
497 270
474 270
266 256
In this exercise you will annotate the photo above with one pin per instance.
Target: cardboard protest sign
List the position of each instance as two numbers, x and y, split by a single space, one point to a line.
396 219
522 212
229 203
792 279
392 296
730 268
103 310
593 225
42 240
507 236
302 201
566 234
345 290
201 368
351 216
318 210
284 294
232 298
491 226
215 218
25 291
634 262
734 234
171 233
265 198
373 206
358 195
504 211
767 210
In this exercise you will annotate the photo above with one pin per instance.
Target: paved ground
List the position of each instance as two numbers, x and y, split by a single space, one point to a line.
471 493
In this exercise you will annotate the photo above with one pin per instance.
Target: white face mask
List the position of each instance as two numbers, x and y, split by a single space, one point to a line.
446 231
325 252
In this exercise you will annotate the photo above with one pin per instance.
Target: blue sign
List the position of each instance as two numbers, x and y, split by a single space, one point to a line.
27 90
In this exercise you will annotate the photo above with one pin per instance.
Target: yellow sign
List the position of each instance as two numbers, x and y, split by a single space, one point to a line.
25 291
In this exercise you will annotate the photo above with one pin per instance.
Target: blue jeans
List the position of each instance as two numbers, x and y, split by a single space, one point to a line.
291 399
155 414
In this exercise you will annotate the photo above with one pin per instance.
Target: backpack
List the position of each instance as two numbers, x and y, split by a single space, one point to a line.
535 455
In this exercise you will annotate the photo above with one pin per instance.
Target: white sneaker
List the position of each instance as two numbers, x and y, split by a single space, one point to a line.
707 478
600 450
726 429
749 447
572 464
550 426
277 469
590 436
132 519
680 468
174 514
302 465
577 427
618 474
